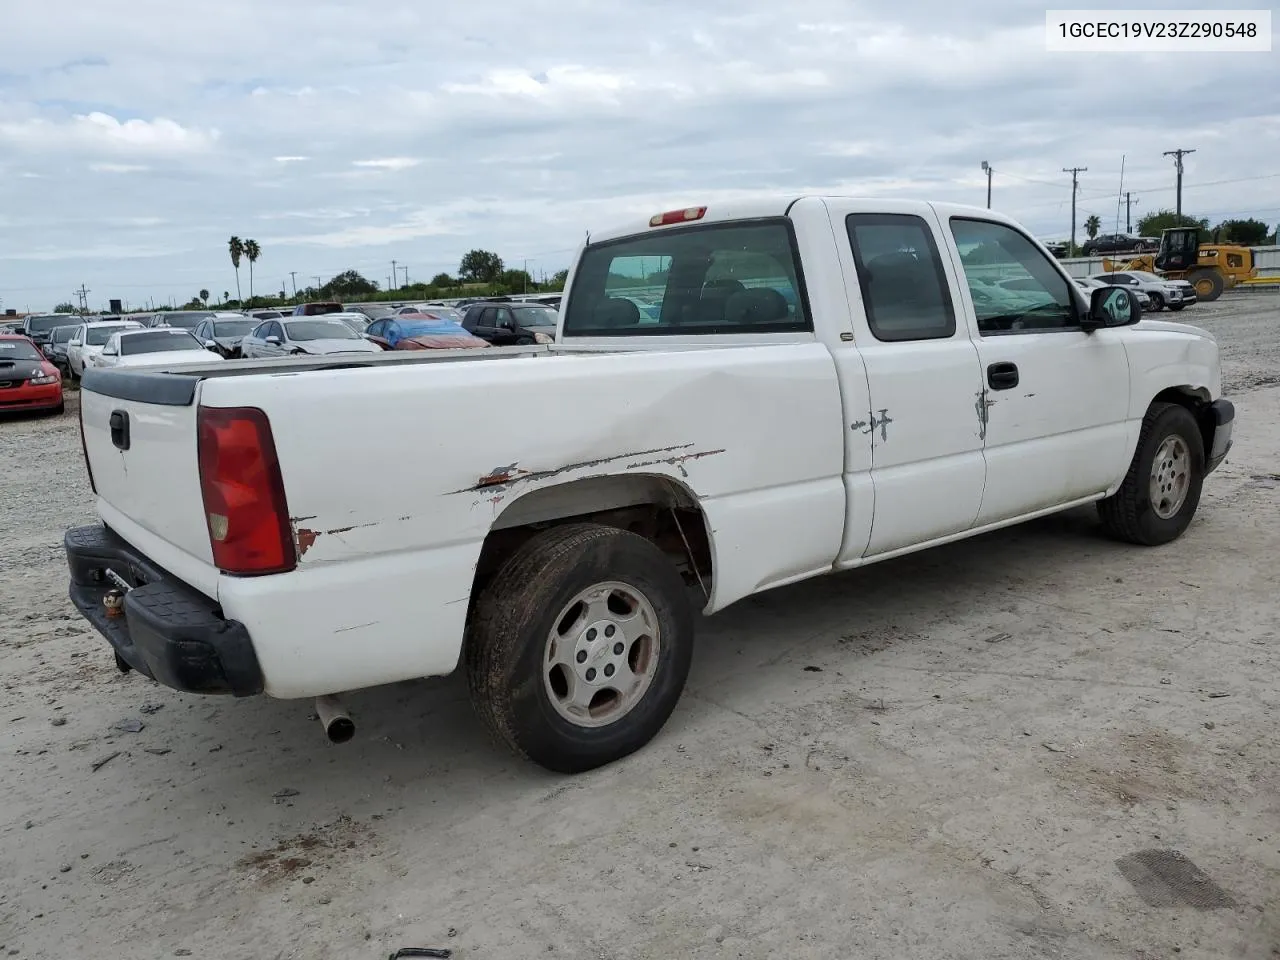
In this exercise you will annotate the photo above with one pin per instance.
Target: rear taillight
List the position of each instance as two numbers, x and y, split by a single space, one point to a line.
244 502
84 448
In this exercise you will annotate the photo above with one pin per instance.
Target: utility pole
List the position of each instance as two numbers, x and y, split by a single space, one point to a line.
317 280
395 274
293 275
1075 188
406 276
83 294
1128 203
1177 162
525 271
987 167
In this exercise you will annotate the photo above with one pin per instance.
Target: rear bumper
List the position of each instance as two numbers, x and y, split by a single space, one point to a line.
165 630
1222 415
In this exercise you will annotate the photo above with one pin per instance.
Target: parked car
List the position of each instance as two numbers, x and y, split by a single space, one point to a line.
422 331
1088 284
372 311
356 321
511 323
181 319
28 379
166 346
316 309
1117 243
56 349
1162 292
225 333
266 314
317 336
557 566
89 340
38 326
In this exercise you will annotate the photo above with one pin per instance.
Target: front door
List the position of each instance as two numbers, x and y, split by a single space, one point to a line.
1056 398
922 375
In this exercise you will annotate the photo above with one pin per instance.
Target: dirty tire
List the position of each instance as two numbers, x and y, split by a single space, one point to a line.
1208 284
515 614
1128 514
1157 302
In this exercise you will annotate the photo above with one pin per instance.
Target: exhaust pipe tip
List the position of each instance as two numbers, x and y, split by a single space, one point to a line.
337 723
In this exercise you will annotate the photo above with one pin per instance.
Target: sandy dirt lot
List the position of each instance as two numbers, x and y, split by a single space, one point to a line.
1034 744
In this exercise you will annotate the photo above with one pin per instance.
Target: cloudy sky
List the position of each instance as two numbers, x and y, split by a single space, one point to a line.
136 137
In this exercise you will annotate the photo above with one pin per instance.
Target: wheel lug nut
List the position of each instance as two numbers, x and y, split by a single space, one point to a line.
582 656
591 674
610 630
608 670
591 634
617 649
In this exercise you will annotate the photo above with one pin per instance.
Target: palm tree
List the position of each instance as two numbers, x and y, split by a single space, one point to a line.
226 295
204 296
252 252
1093 225
236 247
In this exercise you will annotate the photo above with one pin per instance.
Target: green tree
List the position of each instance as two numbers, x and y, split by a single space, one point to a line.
204 297
251 253
65 308
236 248
348 284
480 266
443 281
226 295
517 281
1092 225
1250 233
1154 224
558 279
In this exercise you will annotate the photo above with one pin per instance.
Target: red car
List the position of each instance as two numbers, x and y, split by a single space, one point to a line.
27 380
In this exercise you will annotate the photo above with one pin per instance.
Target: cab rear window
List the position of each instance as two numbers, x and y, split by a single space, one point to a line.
741 277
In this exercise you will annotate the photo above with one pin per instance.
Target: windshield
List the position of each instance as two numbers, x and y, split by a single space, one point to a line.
188 321
158 341
98 334
302 330
63 334
535 316
434 326
46 323
18 350
233 328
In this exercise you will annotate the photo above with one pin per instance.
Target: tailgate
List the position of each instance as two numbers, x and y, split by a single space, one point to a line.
148 482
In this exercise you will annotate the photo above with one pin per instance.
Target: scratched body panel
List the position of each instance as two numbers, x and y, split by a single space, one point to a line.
393 487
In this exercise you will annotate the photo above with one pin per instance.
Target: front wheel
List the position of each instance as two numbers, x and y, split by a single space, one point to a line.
1161 491
1157 303
579 648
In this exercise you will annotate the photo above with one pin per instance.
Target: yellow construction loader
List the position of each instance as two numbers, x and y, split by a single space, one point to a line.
1209 267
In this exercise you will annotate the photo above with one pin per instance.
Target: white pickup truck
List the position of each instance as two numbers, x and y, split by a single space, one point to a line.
738 398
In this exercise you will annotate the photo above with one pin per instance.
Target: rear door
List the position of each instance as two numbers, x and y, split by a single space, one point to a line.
922 373
1056 398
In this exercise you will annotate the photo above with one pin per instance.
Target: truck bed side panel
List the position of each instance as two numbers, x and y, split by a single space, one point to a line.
394 479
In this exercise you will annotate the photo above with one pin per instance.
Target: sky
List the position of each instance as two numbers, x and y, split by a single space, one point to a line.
136 138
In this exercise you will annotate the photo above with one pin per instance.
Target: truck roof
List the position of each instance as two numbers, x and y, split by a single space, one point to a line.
778 205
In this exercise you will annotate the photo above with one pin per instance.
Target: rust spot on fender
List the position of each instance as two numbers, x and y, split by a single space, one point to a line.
305 539
512 473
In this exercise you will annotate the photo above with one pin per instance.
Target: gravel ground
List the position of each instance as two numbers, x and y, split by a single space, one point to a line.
989 750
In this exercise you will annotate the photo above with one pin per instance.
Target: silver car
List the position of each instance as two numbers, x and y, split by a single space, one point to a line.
299 336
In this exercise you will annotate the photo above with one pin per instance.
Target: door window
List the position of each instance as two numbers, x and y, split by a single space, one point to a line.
1014 287
904 287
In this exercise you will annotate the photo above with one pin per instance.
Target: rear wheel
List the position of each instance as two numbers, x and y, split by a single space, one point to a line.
579 648
1161 491
1157 302
1208 284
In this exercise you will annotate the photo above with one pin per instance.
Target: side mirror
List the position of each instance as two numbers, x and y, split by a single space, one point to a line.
73 343
274 341
210 345
1112 307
